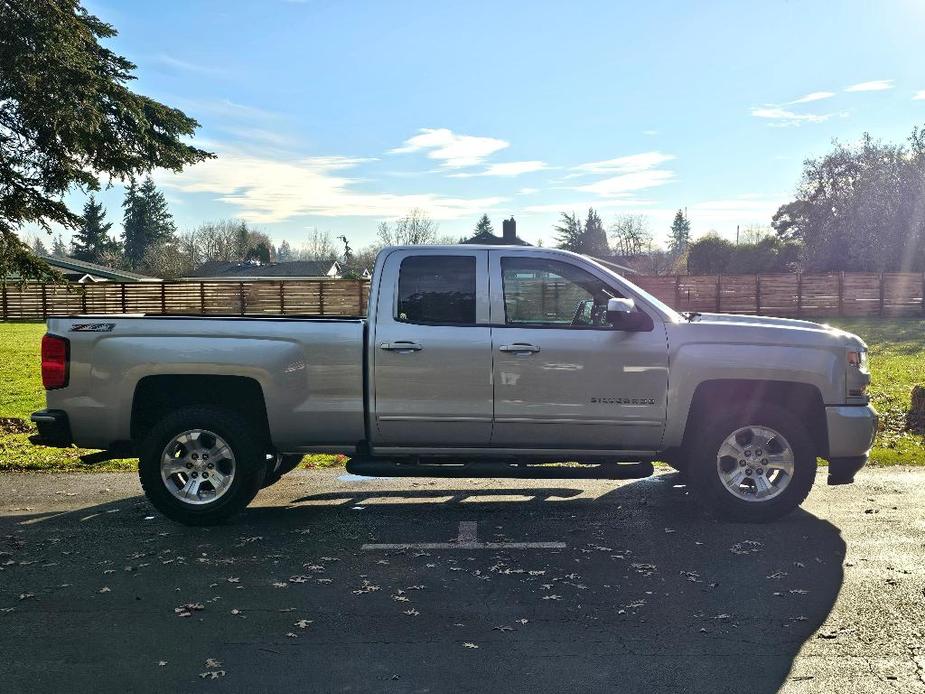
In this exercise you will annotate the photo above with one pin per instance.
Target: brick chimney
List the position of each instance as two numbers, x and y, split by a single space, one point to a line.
509 230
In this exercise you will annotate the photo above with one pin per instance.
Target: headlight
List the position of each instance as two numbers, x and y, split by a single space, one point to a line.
858 359
858 376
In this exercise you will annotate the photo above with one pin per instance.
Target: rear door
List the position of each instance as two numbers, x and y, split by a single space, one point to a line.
564 378
432 349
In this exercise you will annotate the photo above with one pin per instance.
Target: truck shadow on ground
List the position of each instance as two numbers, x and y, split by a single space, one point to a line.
647 593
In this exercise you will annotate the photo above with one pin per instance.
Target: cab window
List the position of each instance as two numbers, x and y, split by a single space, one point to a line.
550 292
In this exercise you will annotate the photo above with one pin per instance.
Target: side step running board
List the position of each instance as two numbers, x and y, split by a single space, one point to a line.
374 467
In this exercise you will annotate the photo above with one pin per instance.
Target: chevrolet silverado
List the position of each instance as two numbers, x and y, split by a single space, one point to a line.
472 361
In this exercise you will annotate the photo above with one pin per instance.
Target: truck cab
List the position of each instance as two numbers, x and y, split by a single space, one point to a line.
490 348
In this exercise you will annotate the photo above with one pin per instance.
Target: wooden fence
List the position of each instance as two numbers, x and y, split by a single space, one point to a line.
799 295
808 295
322 297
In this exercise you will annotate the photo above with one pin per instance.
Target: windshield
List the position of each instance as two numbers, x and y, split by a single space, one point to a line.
660 305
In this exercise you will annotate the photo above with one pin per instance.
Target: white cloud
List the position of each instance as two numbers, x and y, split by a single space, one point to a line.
627 164
919 95
452 150
634 172
872 86
630 205
223 114
510 168
616 186
267 190
528 191
783 117
186 66
260 136
813 96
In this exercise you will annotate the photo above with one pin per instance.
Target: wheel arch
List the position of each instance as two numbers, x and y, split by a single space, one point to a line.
747 395
158 395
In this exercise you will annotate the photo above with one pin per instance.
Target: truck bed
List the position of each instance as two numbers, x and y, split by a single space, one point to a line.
310 371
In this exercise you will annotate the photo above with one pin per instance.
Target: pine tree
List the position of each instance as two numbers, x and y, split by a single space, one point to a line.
38 247
594 238
147 223
284 252
91 240
242 243
680 235
484 226
69 118
589 238
59 249
569 233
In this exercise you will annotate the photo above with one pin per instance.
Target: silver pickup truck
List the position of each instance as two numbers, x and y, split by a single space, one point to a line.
473 361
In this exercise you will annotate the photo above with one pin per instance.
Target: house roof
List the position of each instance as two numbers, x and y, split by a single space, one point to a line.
486 238
71 266
234 270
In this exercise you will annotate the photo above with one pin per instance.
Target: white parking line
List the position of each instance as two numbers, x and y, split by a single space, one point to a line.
466 539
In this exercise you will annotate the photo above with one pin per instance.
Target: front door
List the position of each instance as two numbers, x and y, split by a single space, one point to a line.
431 351
564 378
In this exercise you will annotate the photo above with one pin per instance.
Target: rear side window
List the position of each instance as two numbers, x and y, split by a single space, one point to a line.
437 290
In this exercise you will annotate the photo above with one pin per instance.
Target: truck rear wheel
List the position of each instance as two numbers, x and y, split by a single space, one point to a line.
201 465
753 466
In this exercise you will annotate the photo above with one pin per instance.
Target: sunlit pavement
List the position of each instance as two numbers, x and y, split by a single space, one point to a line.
336 583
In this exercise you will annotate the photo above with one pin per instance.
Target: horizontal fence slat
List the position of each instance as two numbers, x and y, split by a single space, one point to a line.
807 295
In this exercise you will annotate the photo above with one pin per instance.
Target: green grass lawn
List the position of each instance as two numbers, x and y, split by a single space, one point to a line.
897 362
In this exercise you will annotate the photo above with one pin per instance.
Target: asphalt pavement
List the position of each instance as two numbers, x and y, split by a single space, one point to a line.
342 584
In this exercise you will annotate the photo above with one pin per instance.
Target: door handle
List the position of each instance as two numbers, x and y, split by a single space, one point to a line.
402 346
519 348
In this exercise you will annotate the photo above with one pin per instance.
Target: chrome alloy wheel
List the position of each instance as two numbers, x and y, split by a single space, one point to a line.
755 463
197 466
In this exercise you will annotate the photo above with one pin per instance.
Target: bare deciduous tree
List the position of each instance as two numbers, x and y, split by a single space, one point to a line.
165 261
630 235
415 228
190 247
755 233
318 246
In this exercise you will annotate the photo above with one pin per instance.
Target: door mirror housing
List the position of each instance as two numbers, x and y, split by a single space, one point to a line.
623 315
619 310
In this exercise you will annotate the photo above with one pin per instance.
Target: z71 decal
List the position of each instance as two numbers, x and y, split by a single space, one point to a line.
92 327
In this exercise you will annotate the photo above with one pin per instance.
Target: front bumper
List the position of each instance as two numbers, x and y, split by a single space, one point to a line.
54 429
851 431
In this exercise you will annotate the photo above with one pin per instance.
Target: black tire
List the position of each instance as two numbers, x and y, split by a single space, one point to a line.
248 451
278 466
708 487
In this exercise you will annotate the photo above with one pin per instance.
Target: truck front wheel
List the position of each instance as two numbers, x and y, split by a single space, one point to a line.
201 465
753 466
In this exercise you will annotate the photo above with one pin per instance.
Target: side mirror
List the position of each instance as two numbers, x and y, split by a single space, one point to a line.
619 311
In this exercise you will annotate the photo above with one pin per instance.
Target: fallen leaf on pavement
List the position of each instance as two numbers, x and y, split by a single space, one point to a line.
213 675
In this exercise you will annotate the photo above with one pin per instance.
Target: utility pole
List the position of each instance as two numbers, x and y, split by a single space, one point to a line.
737 234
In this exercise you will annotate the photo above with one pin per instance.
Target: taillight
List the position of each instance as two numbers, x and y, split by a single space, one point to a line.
55 354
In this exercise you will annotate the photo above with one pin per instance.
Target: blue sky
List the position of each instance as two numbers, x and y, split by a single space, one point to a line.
338 115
